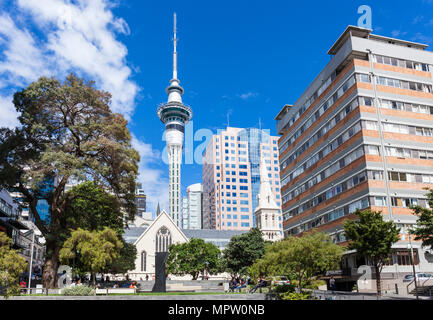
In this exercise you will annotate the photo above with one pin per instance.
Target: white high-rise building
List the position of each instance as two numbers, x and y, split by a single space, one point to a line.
174 114
192 207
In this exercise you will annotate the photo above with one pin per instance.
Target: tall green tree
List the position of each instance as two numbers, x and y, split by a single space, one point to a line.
67 133
93 208
424 226
301 258
11 266
372 237
242 251
193 257
125 261
97 249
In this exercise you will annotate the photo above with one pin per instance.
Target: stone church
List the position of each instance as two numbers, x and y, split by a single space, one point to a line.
156 236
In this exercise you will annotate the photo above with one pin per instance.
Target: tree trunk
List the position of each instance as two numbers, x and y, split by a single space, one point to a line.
94 282
300 283
49 275
378 285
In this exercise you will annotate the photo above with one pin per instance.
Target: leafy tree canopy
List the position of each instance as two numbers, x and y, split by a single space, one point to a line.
193 257
125 261
301 258
67 133
372 237
424 225
96 249
11 266
243 250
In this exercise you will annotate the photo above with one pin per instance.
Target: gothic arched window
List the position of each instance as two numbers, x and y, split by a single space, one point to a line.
163 240
143 260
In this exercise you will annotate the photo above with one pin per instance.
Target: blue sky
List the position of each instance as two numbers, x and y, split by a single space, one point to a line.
245 59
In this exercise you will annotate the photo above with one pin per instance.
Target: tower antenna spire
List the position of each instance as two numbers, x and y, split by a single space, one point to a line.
174 47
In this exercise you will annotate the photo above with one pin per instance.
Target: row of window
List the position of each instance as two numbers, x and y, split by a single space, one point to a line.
327 217
235 224
360 204
406 202
401 63
336 190
233 166
234 209
321 110
229 201
407 129
338 165
403 84
409 153
410 177
334 144
397 83
6 208
371 174
232 159
406 106
320 132
234 194
235 216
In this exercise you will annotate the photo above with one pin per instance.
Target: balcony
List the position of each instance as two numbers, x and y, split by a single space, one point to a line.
20 241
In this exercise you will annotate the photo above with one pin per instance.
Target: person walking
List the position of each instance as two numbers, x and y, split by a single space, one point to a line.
332 283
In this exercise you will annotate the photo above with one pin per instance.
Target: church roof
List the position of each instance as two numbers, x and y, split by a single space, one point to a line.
132 234
211 233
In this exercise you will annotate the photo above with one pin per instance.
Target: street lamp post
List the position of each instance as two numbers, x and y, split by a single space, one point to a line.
31 259
413 264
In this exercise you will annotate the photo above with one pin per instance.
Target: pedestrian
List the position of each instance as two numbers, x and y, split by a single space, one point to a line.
147 277
332 283
260 284
234 285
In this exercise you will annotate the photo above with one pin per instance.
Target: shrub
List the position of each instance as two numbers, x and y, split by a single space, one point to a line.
296 296
314 284
282 289
79 290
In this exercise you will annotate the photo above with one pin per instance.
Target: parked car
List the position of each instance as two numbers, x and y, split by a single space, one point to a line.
280 280
419 277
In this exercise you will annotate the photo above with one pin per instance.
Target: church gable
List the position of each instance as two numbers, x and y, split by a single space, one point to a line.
165 227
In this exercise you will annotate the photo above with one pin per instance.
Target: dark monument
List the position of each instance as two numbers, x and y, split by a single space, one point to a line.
160 272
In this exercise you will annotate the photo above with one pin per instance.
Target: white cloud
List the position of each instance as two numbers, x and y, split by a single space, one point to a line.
8 114
23 61
155 183
248 95
80 37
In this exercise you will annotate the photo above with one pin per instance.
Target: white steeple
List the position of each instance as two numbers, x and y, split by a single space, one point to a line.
267 215
266 197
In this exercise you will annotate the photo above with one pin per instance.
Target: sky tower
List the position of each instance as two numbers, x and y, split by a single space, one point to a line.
174 114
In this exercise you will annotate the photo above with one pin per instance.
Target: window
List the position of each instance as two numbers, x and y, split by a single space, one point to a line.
404 257
143 261
163 240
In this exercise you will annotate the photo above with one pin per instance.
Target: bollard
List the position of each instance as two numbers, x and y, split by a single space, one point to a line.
396 288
